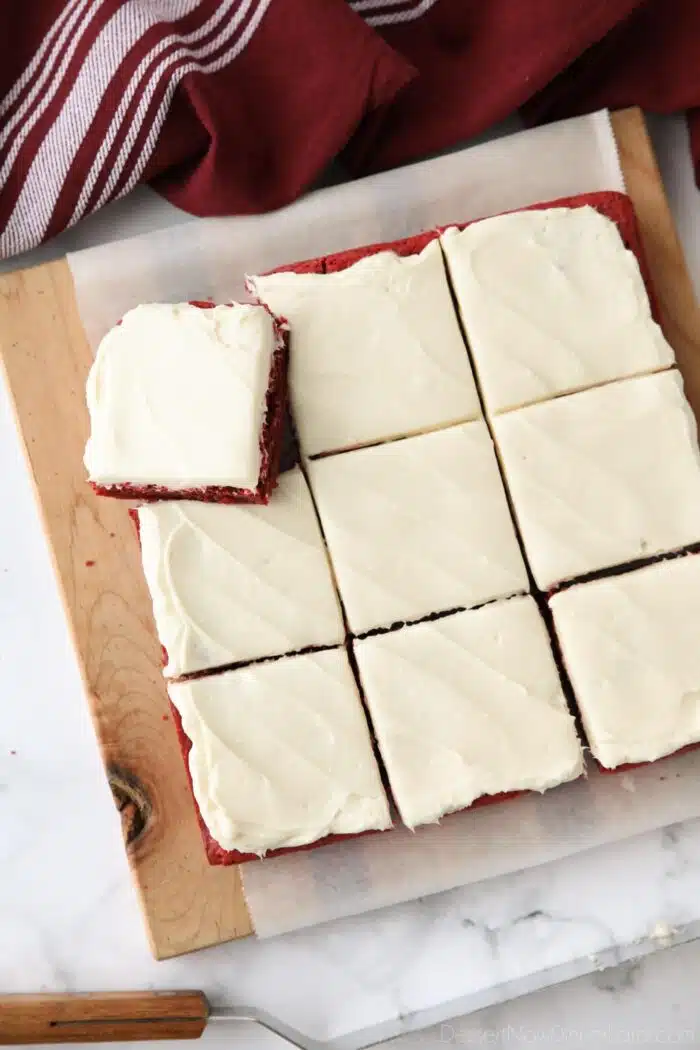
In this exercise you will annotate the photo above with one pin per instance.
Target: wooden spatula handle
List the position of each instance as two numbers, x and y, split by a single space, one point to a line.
98 1017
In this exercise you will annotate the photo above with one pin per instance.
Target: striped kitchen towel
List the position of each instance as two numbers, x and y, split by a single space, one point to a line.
236 106
228 106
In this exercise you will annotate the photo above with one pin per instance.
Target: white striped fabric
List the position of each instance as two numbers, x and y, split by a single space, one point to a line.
69 90
391 12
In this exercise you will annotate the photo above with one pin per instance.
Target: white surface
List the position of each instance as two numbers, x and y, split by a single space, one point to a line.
468 705
418 526
375 350
81 928
627 642
177 396
236 583
603 477
552 302
281 753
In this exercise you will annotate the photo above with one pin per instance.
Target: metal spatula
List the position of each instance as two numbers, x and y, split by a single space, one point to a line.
98 1017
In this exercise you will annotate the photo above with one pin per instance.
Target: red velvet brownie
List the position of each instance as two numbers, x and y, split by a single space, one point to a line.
602 477
615 206
376 348
418 526
313 779
503 722
234 585
216 854
553 301
187 401
629 646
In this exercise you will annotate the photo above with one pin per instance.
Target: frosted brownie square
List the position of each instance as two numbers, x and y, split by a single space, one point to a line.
552 302
630 647
187 401
468 705
418 526
280 754
603 477
376 350
234 584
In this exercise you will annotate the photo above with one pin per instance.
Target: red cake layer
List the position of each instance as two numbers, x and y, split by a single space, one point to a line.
271 441
305 266
408 246
602 574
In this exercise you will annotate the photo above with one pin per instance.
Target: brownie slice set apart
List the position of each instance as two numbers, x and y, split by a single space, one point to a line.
187 401
493 440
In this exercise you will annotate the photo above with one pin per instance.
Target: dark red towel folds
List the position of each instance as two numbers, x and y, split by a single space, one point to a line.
477 62
229 106
235 106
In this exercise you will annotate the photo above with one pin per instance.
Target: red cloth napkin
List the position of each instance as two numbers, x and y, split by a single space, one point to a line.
480 61
234 106
651 59
477 62
229 106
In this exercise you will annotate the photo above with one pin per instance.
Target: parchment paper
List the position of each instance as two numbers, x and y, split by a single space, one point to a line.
209 258
356 876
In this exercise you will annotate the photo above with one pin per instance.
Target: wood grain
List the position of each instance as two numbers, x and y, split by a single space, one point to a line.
680 314
101 1017
187 903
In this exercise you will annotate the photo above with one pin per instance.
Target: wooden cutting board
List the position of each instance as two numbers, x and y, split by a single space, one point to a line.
46 357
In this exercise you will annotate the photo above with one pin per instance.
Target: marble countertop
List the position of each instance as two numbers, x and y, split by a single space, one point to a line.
69 918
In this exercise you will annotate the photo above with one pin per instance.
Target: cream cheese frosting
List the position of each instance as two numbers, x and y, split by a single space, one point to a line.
630 646
236 583
177 396
468 705
603 477
551 302
418 526
376 350
281 753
